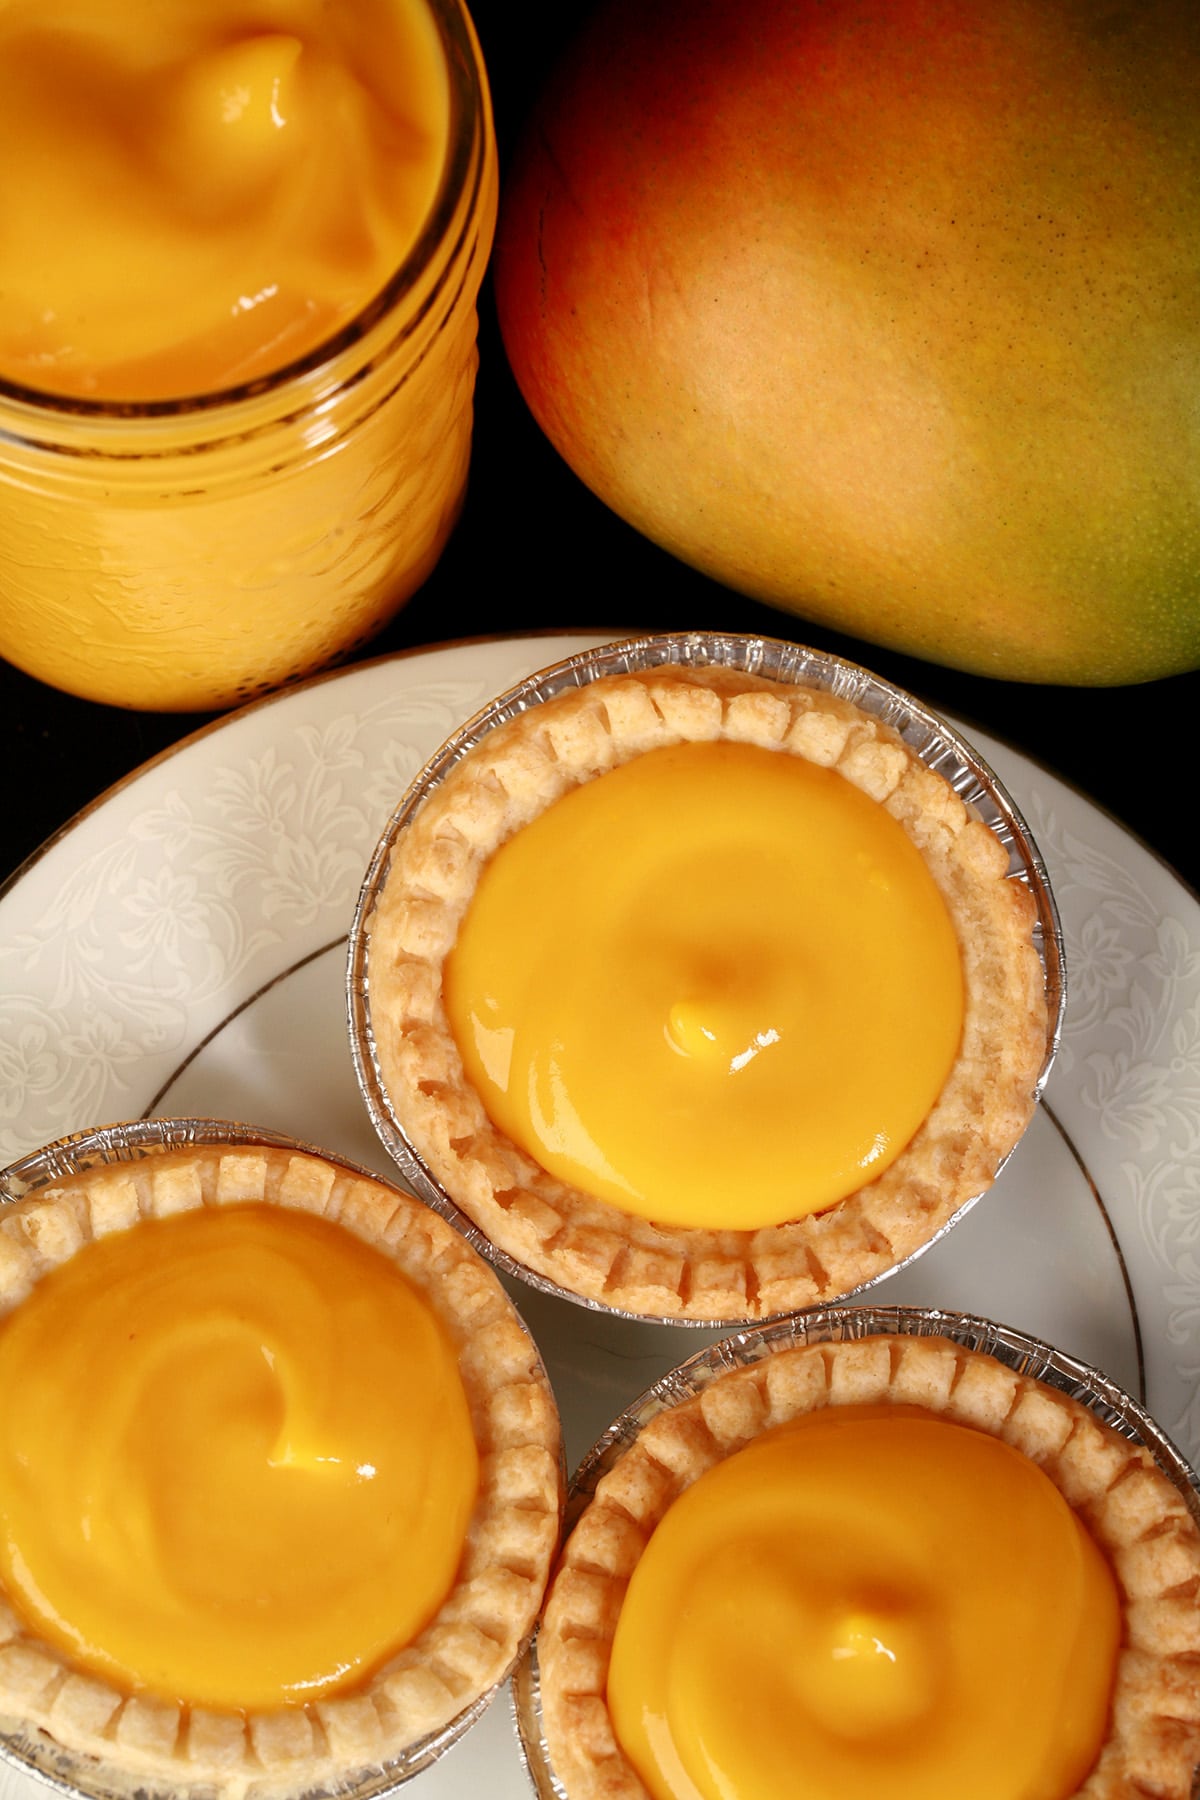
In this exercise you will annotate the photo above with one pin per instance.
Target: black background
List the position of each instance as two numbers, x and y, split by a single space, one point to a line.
534 550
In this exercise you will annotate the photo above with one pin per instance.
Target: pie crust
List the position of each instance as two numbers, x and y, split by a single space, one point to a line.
470 1644
585 1245
1134 1512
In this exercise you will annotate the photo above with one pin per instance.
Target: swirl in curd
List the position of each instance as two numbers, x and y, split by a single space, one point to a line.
199 192
237 1461
870 1600
717 986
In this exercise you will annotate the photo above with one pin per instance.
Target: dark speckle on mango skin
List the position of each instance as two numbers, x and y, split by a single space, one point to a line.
884 311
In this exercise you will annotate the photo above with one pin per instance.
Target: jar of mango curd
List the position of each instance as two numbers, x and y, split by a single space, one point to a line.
237 332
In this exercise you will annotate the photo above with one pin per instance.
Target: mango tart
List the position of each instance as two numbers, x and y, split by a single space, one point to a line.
280 1470
702 996
892 1553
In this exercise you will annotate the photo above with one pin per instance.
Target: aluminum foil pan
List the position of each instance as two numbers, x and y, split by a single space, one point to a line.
1016 1349
73 1773
938 745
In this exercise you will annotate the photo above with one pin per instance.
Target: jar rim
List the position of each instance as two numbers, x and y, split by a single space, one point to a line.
470 125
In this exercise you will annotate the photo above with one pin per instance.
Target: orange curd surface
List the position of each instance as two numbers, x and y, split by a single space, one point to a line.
236 1458
199 191
870 1601
716 986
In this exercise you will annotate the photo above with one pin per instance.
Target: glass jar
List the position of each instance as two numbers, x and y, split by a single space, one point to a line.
183 555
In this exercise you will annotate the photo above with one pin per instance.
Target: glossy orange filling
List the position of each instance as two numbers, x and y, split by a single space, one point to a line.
870 1601
716 986
236 1458
196 195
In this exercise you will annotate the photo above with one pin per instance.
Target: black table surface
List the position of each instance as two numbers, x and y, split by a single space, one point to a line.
535 551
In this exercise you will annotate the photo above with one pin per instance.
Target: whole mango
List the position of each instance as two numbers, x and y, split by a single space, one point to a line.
886 312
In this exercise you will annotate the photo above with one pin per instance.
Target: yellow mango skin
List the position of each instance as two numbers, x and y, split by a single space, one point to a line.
886 312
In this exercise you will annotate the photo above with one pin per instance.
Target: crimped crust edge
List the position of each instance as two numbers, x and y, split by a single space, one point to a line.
581 1243
1132 1509
469 1645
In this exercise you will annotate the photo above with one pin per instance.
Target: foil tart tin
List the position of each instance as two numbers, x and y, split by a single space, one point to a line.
74 1773
1016 1349
938 745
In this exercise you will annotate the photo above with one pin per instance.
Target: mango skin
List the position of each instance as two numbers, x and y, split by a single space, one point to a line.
886 312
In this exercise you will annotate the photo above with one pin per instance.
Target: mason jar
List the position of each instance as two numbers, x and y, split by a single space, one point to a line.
189 554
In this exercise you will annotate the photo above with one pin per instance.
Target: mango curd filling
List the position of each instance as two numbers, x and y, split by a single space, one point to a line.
716 986
237 1461
868 1601
200 191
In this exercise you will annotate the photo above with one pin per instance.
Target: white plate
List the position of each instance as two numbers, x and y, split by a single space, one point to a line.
179 949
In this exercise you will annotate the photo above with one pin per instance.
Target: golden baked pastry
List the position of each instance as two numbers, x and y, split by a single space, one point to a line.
327 1531
832 1622
720 729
